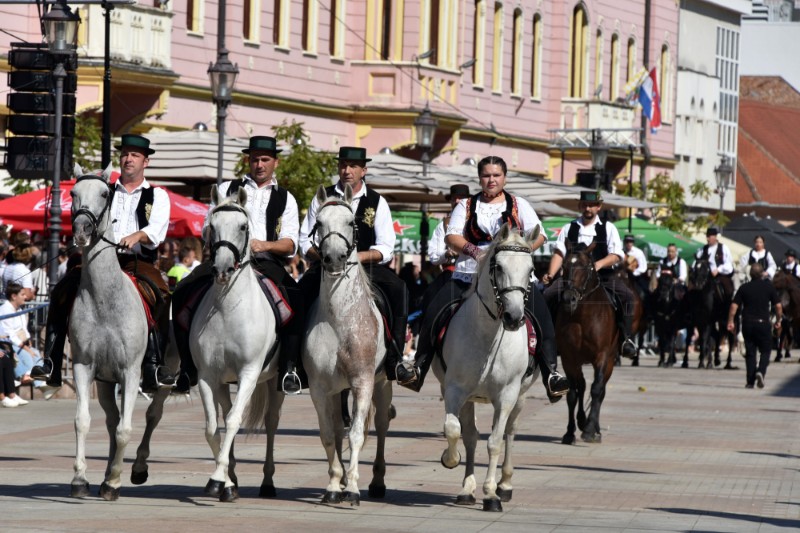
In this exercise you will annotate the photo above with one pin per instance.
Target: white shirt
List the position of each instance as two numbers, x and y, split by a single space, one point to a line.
15 327
17 273
727 260
385 236
792 267
586 235
257 201
640 258
490 221
437 248
682 274
744 262
123 213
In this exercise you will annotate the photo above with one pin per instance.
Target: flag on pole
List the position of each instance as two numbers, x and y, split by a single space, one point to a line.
650 101
632 87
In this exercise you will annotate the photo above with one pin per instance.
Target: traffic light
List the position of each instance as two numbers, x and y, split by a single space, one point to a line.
30 150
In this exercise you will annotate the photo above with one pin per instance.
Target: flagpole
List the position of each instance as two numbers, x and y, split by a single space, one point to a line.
643 140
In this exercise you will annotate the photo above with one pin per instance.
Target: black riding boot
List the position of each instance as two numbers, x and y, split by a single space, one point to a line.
554 383
413 378
187 375
394 353
291 382
628 346
50 368
154 374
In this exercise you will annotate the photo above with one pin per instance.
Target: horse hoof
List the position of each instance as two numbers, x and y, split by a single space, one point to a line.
568 438
214 488
332 497
392 412
353 498
504 495
267 491
108 493
580 418
591 438
377 491
450 467
139 478
229 494
80 491
493 506
465 499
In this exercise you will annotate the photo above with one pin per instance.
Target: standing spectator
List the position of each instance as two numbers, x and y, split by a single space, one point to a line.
17 270
187 260
8 390
756 296
760 255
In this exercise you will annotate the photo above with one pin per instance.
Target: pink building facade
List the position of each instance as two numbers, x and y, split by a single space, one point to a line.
499 77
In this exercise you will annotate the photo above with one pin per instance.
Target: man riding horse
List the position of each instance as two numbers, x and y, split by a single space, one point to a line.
607 252
673 265
720 261
375 246
274 227
790 264
140 214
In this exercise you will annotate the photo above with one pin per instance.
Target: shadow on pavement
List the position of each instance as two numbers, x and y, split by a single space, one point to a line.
778 522
773 454
790 388
599 469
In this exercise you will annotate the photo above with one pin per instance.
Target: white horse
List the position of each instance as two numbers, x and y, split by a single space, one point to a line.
108 338
345 348
232 333
485 359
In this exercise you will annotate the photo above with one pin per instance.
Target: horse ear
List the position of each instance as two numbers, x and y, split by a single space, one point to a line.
106 175
77 171
503 233
241 198
214 195
533 235
348 194
321 195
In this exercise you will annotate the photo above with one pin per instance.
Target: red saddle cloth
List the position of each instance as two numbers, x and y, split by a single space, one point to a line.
147 296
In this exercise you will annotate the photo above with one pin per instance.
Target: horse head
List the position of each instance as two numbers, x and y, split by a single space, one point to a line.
666 284
700 274
336 230
509 263
579 273
91 202
228 235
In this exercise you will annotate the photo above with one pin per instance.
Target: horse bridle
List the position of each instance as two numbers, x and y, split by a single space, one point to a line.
94 220
493 279
351 245
581 291
238 253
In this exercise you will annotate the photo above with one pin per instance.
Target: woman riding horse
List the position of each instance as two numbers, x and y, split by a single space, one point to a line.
472 224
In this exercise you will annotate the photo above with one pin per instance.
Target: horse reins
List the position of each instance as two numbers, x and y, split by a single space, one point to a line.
238 253
493 279
350 245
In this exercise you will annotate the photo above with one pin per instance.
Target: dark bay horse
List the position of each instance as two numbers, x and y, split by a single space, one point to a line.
586 333
709 314
788 288
640 323
667 316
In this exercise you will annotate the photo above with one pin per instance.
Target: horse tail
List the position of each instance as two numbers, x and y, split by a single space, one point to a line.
255 414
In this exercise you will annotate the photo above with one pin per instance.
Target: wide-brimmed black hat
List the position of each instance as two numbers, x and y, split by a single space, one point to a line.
458 190
591 196
351 153
628 238
791 253
135 141
712 231
262 143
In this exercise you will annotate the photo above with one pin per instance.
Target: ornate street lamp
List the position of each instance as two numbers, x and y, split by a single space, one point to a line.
425 125
723 175
223 77
61 29
599 153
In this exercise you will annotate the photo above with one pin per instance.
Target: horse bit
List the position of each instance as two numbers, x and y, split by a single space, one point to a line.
238 253
350 245
526 290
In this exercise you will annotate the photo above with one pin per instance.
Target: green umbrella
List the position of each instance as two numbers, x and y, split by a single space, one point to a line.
653 239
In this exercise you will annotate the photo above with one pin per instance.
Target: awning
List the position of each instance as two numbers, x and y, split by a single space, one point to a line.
654 239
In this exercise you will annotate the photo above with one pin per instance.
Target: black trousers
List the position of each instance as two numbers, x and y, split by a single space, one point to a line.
7 374
757 338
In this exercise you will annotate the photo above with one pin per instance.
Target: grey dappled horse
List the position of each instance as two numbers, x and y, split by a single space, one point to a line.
485 357
232 332
108 337
345 348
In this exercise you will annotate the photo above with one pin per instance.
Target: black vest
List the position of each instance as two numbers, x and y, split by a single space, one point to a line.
600 240
365 216
676 268
717 255
275 207
143 219
762 261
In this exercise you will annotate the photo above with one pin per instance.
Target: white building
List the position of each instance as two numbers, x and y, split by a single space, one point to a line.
769 40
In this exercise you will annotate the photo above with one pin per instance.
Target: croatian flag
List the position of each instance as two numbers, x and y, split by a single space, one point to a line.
650 101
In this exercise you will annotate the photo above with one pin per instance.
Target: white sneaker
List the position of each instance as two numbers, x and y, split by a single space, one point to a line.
48 391
9 402
20 401
17 383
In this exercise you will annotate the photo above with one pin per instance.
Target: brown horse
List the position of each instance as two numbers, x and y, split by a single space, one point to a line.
586 333
639 325
788 288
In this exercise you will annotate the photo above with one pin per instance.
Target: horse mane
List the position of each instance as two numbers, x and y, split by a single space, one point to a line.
514 238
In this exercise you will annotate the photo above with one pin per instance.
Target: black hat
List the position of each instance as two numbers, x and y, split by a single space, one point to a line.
628 237
457 190
791 253
262 143
351 153
135 141
591 196
712 231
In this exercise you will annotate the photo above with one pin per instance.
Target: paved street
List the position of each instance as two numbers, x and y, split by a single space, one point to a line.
683 450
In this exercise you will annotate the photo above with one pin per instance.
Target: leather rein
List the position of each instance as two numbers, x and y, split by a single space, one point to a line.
493 280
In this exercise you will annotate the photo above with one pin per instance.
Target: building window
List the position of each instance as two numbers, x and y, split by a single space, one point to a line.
613 75
598 60
336 34
280 24
727 70
309 35
664 84
195 13
516 54
631 71
536 57
497 49
434 7
577 53
478 41
251 20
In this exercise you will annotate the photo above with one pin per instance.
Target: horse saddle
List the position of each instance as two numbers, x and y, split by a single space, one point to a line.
150 296
385 310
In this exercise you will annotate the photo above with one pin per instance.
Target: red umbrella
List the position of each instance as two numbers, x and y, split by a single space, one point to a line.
29 211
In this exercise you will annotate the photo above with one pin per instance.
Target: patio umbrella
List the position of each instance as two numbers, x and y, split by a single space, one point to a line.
31 210
653 239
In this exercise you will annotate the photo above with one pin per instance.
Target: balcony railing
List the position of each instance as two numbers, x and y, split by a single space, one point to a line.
140 35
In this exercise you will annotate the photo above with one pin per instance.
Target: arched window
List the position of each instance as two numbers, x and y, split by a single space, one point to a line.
536 57
577 52
195 14
613 75
598 60
497 49
251 20
631 71
478 41
309 36
516 54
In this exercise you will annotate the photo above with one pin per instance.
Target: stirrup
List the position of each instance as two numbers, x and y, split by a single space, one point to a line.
41 371
410 375
291 378
556 392
628 342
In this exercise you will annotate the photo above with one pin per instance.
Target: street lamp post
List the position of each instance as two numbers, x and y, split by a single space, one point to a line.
223 77
599 154
723 174
61 28
425 125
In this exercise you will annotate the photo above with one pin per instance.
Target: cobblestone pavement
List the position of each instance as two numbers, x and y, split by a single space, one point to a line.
683 450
